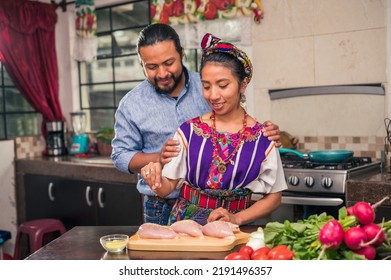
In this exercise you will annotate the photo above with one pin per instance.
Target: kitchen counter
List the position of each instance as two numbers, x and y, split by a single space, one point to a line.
82 243
94 168
371 187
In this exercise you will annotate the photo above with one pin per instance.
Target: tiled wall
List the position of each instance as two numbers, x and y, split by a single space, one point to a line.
307 43
362 146
33 146
29 146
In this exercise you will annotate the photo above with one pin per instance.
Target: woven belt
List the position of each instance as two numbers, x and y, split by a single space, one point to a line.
169 201
203 200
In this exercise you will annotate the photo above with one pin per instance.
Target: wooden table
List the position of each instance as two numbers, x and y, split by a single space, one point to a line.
82 243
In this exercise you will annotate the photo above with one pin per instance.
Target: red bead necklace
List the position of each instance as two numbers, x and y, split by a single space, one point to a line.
221 164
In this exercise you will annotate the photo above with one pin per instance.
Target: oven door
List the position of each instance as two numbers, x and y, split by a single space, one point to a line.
297 205
297 199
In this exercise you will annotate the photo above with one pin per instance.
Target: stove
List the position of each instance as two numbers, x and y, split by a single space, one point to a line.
315 187
304 176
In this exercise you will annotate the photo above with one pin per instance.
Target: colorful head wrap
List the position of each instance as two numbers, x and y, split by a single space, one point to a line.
212 44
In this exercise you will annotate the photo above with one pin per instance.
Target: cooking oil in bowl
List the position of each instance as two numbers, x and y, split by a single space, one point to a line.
114 243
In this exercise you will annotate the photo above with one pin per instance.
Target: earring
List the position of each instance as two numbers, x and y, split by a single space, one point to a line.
243 100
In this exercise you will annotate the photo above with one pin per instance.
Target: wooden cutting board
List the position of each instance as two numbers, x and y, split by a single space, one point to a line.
187 243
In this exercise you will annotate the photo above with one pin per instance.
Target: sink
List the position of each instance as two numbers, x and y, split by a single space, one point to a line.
94 160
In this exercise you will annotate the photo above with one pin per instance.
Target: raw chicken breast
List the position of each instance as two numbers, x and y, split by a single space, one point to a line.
155 231
219 229
188 227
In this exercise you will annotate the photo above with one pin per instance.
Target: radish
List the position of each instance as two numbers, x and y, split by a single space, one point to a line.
364 212
355 238
375 234
350 211
331 236
369 252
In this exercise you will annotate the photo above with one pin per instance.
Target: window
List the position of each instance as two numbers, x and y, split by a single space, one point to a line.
117 69
17 117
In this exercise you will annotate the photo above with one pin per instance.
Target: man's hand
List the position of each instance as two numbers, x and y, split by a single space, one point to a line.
169 150
152 174
272 132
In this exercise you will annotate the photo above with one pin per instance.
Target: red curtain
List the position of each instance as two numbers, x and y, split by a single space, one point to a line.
28 52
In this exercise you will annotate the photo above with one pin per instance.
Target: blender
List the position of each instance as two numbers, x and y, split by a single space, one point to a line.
80 138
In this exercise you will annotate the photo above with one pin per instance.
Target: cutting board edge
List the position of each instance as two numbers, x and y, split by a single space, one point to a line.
212 244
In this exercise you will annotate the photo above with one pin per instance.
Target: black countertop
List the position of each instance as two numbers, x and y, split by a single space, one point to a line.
371 187
94 168
82 243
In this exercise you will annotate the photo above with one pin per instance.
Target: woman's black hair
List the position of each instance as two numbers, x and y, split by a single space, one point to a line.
158 32
226 60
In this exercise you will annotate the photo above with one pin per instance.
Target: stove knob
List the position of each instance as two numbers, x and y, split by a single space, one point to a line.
327 182
309 181
293 180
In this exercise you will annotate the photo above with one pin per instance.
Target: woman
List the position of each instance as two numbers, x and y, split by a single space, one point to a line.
224 157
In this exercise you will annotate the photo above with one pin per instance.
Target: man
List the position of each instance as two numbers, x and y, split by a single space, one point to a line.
149 114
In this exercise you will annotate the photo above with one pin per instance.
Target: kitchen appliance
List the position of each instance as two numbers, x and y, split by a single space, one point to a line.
80 138
316 187
55 140
332 156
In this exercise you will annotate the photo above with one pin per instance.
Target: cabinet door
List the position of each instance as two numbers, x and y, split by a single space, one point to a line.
41 196
77 201
82 203
118 204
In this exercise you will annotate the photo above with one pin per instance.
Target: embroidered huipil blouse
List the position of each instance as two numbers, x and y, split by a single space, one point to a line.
256 165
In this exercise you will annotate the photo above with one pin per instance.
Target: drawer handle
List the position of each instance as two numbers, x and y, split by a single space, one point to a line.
101 197
50 192
311 201
88 196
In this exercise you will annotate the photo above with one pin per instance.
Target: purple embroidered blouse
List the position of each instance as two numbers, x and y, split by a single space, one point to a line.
256 165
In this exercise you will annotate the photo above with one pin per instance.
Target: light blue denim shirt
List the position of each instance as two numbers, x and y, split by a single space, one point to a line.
145 119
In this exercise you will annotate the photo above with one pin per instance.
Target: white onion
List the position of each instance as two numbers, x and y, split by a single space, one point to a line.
256 239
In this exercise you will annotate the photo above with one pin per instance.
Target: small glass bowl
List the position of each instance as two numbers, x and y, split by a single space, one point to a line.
114 243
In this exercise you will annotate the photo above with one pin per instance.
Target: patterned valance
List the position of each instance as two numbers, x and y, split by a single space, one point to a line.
176 12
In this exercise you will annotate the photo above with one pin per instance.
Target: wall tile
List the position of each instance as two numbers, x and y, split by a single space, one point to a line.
29 146
335 16
350 58
285 19
284 63
359 144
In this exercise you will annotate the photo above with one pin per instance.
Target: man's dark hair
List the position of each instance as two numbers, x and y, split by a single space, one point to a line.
156 33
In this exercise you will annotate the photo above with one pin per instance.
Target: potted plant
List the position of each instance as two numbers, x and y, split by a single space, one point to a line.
103 140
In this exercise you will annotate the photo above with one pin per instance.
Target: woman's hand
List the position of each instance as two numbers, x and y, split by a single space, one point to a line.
222 214
272 132
169 150
152 174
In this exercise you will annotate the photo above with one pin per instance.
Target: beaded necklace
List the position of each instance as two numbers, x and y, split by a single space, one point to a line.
221 164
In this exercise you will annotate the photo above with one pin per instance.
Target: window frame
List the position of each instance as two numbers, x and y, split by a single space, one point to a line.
6 115
192 54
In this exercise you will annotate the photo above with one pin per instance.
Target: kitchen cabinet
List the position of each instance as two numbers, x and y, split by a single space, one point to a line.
40 193
82 202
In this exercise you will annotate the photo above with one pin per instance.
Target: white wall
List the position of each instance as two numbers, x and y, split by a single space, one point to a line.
306 43
7 198
298 43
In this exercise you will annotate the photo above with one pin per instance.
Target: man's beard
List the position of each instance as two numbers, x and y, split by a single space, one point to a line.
168 89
